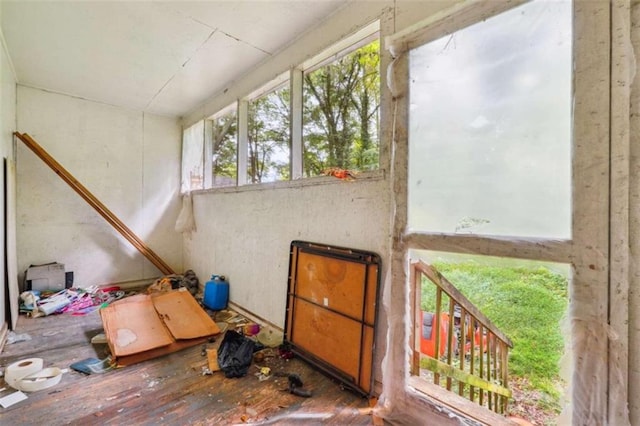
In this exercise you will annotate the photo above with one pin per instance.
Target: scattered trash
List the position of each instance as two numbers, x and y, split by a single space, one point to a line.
270 338
225 315
285 351
295 386
212 359
174 281
92 365
99 339
12 337
263 374
76 301
30 299
235 354
13 398
251 329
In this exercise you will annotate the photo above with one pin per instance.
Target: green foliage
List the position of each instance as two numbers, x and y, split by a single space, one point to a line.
526 304
268 136
224 132
340 114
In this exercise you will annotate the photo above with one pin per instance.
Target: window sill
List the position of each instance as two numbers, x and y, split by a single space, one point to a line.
298 183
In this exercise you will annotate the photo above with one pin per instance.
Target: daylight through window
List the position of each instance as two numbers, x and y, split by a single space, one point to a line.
341 113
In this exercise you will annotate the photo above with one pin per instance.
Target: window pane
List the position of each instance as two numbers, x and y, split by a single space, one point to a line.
225 150
341 113
490 126
524 300
193 157
268 136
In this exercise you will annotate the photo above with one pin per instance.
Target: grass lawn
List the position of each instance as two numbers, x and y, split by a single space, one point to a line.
528 305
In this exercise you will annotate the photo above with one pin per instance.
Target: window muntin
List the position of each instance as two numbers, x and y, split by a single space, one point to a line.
341 102
224 157
490 127
268 137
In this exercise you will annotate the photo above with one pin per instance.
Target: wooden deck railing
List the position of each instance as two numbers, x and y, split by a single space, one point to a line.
455 345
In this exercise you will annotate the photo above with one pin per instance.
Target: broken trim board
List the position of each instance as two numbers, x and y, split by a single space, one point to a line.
81 190
182 323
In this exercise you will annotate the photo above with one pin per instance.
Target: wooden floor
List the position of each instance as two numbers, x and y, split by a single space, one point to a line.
170 390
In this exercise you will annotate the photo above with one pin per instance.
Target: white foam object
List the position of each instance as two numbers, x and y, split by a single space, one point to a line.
28 375
22 368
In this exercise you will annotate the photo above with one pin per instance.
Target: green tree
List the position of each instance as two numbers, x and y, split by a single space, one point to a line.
268 137
341 103
224 161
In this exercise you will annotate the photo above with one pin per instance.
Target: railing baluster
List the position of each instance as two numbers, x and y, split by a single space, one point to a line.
450 339
462 346
436 376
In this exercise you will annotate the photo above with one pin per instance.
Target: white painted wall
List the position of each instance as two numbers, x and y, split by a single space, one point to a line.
246 235
129 160
7 127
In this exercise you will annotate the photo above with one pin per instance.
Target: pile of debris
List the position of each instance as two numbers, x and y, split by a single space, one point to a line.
76 301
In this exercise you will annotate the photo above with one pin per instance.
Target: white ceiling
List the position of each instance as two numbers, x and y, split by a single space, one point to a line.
154 56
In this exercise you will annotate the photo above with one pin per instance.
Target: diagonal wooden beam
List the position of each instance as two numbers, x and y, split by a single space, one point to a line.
95 203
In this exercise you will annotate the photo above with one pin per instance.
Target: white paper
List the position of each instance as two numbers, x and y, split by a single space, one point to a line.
9 400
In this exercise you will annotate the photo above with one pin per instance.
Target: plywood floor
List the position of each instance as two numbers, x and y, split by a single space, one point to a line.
170 390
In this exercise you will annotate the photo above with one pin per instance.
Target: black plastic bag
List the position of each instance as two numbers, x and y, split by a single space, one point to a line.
235 354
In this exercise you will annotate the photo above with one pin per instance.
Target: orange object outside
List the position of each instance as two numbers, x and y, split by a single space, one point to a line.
428 343
340 173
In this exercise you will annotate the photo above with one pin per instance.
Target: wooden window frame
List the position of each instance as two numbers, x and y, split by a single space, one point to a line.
587 251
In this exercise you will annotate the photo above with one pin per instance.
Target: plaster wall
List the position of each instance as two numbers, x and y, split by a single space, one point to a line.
7 126
247 235
128 159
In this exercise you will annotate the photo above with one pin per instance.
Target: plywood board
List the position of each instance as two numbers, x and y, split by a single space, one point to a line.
331 282
133 327
331 310
329 336
182 315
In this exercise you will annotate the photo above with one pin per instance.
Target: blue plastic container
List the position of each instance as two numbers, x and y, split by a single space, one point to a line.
216 293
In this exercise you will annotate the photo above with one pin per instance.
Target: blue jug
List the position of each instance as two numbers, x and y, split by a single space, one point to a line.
216 293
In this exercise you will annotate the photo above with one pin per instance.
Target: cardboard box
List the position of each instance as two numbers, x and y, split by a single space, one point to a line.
46 277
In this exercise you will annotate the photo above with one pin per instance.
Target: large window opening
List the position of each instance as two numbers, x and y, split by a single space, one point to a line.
490 127
490 155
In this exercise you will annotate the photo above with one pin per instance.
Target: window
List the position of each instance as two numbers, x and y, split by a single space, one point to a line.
490 153
341 102
193 158
490 127
224 149
441 153
320 115
268 137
